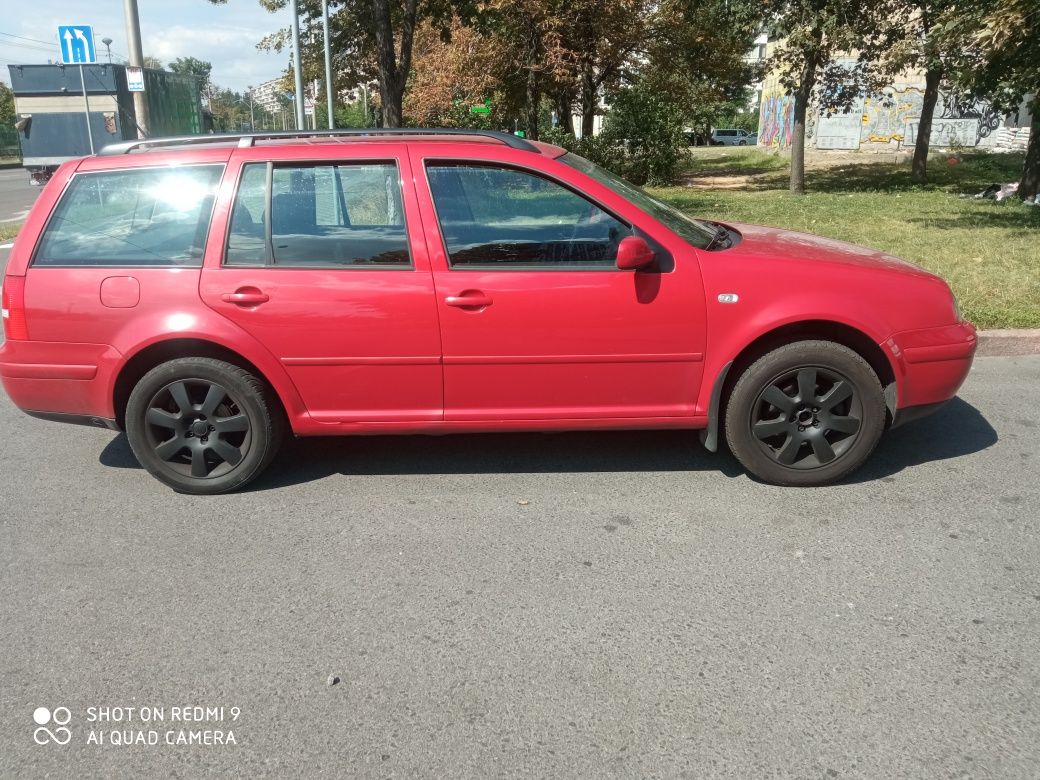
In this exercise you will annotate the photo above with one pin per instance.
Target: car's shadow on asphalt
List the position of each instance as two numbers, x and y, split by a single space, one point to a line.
955 430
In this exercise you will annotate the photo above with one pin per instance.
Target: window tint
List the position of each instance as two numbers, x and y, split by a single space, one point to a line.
321 215
246 239
150 216
506 218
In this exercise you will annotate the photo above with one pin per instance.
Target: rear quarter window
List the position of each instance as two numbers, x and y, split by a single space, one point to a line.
132 217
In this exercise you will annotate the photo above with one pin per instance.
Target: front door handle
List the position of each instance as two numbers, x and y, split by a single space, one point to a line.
469 299
245 296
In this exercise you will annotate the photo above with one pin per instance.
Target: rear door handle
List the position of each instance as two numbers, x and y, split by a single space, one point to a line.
469 299
245 297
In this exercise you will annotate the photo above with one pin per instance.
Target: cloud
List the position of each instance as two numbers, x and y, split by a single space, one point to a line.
225 35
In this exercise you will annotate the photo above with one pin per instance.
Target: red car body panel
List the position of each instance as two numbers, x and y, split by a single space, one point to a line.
373 350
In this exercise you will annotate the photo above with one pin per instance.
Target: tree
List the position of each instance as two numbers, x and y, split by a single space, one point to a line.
6 105
1000 60
198 69
370 38
604 39
154 63
812 32
451 76
695 54
912 39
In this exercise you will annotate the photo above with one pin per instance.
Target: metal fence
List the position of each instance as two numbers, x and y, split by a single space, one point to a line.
9 145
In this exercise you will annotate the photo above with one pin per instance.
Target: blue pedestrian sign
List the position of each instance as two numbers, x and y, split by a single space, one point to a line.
77 44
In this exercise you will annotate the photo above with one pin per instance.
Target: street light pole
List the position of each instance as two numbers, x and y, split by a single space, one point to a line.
294 8
133 39
252 122
328 63
108 46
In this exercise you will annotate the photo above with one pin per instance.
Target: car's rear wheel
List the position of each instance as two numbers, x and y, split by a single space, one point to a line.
805 414
203 426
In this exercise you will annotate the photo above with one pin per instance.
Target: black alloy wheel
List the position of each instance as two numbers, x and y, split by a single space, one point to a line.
808 413
807 417
203 426
197 427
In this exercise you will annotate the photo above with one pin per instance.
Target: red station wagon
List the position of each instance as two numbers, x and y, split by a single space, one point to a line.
208 295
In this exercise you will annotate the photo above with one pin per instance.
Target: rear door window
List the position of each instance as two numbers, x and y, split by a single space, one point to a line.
320 216
132 217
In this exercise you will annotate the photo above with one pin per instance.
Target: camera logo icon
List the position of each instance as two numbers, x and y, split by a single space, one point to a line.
43 717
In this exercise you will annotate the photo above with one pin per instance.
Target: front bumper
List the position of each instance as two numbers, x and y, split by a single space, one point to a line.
930 365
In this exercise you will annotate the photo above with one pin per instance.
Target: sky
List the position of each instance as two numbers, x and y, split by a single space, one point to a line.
225 35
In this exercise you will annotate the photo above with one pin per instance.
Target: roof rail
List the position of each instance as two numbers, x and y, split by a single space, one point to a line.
247 139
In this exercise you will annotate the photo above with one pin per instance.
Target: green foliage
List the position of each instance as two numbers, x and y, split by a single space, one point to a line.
349 115
198 69
998 44
648 126
642 138
6 105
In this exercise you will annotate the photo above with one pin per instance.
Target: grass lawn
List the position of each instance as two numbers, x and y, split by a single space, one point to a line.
989 252
7 232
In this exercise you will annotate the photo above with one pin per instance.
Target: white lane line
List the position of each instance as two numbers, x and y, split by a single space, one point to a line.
6 246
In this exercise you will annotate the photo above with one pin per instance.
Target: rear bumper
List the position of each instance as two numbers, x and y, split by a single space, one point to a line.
931 365
59 380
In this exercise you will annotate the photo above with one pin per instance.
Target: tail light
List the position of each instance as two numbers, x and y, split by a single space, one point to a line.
15 326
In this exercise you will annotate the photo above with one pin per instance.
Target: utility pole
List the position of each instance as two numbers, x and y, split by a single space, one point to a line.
252 122
133 39
294 8
328 63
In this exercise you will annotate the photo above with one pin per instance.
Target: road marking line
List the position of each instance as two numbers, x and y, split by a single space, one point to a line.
6 246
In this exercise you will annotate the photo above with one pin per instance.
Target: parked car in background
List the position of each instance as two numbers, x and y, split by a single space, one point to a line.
209 295
730 137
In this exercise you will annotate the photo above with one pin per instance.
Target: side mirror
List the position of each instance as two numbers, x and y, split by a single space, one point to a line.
634 253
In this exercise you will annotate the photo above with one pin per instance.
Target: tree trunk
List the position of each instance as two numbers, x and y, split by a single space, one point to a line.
588 100
919 169
563 111
531 100
393 113
806 82
392 74
1029 187
532 93
801 106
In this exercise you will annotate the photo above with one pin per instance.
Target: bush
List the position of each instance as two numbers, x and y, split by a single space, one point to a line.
649 128
642 138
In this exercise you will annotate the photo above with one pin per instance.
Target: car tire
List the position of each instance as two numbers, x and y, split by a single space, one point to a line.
742 143
805 414
203 426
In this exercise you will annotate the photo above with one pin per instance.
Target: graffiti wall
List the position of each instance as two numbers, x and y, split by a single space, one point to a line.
891 119
840 130
776 116
885 116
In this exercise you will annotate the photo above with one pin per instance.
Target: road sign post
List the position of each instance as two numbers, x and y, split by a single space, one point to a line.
77 48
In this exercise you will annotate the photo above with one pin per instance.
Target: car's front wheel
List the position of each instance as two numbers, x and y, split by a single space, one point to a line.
203 426
805 414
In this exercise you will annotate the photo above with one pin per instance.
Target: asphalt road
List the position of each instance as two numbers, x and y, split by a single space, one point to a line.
552 605
16 195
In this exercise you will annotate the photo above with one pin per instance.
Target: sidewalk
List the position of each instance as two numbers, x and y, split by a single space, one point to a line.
994 343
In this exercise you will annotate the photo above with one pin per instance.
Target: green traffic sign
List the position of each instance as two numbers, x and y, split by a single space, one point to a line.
479 110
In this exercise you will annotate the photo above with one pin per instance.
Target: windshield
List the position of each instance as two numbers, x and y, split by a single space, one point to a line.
692 231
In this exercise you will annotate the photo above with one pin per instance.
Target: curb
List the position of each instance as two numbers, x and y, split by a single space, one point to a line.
1006 343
